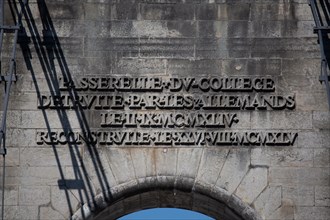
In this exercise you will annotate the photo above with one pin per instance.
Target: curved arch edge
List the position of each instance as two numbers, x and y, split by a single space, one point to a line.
105 199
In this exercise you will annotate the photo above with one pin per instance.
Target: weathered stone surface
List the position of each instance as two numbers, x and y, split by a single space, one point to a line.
281 120
268 201
321 158
184 67
44 157
211 164
300 195
321 120
34 195
188 161
284 212
301 176
320 213
21 137
313 139
60 205
282 157
144 162
166 161
12 158
120 160
322 196
256 177
238 161
166 38
11 196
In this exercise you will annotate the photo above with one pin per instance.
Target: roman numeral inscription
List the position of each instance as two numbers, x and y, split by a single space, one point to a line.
154 111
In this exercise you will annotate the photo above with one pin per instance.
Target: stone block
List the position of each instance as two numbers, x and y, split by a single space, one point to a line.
281 120
207 12
68 47
11 176
97 11
62 10
125 10
62 201
234 11
98 47
13 119
283 213
185 67
96 66
21 137
238 47
104 29
293 176
297 83
321 157
291 157
176 11
39 176
11 212
303 67
314 139
22 101
48 212
238 29
284 48
184 29
144 162
211 164
34 195
238 162
310 212
12 157
51 119
251 66
299 195
256 177
148 199
321 120
212 29
120 161
166 161
151 29
297 28
167 48
188 162
97 169
70 28
282 157
265 29
280 11
260 157
85 184
268 201
28 212
322 196
279 28
141 67
210 48
311 101
11 196
45 157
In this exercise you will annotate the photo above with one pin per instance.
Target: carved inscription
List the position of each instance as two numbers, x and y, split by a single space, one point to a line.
189 111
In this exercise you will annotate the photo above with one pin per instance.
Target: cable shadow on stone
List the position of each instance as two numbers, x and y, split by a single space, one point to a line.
47 47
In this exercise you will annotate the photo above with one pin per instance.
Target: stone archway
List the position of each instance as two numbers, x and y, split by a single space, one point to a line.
161 191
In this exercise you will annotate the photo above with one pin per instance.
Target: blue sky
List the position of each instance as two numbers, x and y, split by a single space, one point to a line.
165 214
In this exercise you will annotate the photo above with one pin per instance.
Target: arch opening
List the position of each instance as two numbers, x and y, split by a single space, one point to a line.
163 192
166 213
